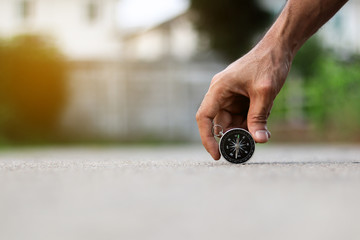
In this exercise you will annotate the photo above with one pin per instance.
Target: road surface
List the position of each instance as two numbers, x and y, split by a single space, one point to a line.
178 192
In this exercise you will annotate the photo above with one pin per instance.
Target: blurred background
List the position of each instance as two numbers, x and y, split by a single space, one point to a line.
118 71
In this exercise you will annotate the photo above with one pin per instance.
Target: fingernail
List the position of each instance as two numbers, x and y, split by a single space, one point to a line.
262 135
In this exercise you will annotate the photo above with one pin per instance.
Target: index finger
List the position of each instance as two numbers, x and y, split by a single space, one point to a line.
204 117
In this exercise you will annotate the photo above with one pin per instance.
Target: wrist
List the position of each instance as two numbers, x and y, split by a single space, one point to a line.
294 26
281 37
277 48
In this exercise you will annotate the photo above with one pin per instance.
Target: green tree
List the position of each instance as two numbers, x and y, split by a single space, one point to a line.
32 88
333 99
231 25
308 58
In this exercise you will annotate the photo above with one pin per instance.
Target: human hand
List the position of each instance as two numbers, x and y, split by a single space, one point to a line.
242 95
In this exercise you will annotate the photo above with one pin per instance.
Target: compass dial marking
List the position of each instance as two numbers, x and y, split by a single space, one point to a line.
237 145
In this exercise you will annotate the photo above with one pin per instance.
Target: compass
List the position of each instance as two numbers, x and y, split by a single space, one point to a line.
237 145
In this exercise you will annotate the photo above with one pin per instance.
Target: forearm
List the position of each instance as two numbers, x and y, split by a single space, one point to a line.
299 20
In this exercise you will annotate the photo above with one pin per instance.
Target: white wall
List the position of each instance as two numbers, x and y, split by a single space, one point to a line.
176 39
67 22
342 32
134 101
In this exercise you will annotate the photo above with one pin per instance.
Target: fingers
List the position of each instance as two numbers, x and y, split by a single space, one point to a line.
259 111
239 121
223 118
204 117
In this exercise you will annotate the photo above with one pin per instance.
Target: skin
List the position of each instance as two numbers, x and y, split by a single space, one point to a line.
242 95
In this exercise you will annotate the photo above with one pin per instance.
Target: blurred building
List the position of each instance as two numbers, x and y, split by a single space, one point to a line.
83 29
143 85
152 93
175 38
342 32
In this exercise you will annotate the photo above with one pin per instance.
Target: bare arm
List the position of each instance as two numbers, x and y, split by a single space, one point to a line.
299 20
242 95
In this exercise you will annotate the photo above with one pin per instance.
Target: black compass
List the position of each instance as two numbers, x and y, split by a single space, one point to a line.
237 145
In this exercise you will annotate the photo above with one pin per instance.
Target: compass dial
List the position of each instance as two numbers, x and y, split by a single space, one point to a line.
237 145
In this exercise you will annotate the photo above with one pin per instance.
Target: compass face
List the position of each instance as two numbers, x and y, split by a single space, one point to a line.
237 145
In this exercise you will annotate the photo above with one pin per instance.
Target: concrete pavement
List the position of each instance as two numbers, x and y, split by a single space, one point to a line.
178 192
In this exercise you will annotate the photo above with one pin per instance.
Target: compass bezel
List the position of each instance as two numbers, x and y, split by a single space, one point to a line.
222 145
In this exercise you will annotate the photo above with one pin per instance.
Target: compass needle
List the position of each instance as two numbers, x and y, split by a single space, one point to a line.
237 146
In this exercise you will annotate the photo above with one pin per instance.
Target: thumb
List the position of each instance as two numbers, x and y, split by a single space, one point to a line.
258 114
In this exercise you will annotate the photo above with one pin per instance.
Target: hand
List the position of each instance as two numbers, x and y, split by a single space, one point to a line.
242 95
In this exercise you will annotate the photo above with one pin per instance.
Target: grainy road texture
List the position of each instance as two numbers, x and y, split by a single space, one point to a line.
284 192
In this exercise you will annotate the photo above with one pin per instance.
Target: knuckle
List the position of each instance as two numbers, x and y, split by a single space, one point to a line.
220 88
217 77
222 77
266 88
199 115
259 119
216 89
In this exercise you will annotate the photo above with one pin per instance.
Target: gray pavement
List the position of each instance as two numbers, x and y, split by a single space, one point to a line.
178 192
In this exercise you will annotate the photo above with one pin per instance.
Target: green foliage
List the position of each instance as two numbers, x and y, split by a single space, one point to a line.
308 58
331 90
333 96
32 88
305 65
231 25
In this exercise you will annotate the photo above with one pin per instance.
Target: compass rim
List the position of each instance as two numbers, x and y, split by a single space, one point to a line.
242 160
